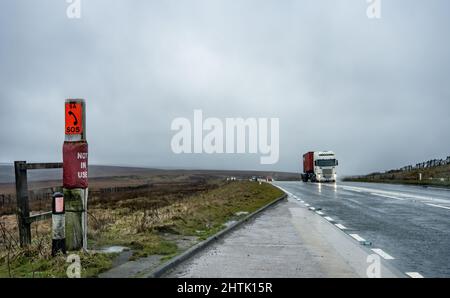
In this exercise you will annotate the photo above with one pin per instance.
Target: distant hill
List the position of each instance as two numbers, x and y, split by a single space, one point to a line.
96 171
7 173
433 172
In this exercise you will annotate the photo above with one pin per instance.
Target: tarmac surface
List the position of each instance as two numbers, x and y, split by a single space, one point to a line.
411 224
287 240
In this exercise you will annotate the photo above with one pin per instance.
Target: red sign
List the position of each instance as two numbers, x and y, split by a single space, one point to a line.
74 118
75 165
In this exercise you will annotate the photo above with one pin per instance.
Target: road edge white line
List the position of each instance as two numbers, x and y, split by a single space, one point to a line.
438 206
414 274
357 237
383 254
340 226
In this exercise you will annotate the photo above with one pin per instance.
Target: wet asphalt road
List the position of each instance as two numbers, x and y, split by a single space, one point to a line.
286 240
410 223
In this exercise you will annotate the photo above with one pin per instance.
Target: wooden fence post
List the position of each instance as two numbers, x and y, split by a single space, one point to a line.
23 209
24 220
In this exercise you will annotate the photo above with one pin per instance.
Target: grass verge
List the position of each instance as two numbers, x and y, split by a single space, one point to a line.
149 225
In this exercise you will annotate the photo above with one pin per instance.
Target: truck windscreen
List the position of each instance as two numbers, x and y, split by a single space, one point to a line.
325 162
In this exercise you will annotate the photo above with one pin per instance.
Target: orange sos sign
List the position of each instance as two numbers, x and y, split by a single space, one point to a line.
74 120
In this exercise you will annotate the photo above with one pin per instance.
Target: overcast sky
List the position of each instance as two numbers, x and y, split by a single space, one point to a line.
377 92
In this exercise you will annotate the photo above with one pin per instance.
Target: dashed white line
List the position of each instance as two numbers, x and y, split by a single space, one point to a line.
357 237
438 206
383 254
328 218
414 274
319 212
312 208
307 205
386 196
342 227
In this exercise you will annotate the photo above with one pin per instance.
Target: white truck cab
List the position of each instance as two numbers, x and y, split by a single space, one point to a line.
325 163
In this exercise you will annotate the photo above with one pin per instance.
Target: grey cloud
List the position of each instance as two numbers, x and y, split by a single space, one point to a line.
375 91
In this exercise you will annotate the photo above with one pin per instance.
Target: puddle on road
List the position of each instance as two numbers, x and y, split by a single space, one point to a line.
124 254
230 223
113 249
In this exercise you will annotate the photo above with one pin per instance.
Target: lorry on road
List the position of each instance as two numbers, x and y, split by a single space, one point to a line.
319 166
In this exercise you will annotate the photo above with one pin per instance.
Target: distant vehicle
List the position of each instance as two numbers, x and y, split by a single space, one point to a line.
254 178
319 166
269 179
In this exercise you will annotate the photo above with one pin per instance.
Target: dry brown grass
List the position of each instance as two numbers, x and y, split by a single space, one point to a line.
148 220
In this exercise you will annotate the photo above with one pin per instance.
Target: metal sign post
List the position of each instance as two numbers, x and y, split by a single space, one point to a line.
75 174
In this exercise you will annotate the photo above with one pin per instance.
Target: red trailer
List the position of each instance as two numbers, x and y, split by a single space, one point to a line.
308 162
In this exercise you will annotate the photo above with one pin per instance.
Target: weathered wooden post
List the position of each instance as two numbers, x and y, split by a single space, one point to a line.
75 174
23 209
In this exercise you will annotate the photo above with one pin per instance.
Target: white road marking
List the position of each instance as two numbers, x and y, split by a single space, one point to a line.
328 218
389 193
414 274
386 196
302 201
399 196
438 206
342 227
319 212
357 237
312 208
352 189
383 254
307 205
